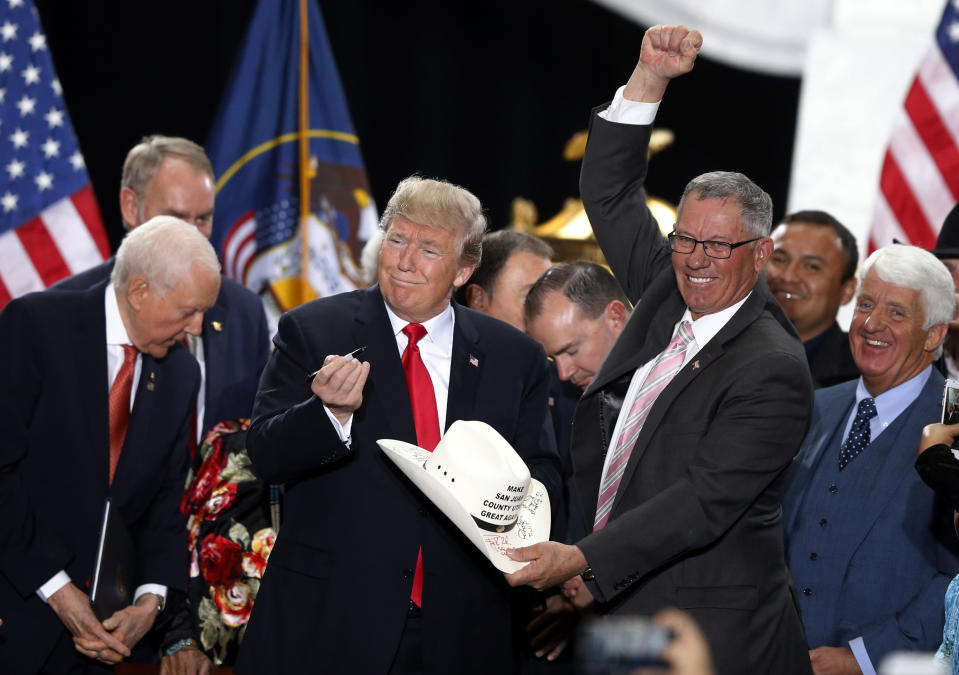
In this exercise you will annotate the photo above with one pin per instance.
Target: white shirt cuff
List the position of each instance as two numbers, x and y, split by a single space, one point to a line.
56 582
342 430
858 647
624 111
157 589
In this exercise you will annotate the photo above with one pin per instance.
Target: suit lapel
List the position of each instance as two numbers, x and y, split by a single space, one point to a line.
372 328
466 367
825 433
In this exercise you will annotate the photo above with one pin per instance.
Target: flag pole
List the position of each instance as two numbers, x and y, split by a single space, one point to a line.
304 119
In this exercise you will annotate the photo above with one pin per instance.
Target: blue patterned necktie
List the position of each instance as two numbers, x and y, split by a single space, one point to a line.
859 436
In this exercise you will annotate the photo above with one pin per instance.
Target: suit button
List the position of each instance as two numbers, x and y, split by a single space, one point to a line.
833 489
807 591
814 556
823 522
407 573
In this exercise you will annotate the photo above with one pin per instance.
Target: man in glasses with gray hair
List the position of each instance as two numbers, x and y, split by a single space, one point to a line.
681 439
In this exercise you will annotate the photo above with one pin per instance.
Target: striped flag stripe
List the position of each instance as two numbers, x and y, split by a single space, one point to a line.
238 234
924 179
902 202
17 273
245 255
85 202
885 227
43 251
939 143
939 82
71 236
919 182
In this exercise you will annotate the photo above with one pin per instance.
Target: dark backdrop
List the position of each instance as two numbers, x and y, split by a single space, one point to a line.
483 94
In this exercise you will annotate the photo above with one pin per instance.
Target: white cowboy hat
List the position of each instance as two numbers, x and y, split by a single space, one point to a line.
476 478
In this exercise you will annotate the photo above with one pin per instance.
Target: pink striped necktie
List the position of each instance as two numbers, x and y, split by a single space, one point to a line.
667 364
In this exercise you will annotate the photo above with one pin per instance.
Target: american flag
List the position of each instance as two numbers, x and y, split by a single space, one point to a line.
919 183
50 225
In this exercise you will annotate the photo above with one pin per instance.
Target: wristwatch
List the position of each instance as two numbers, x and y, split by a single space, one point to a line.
587 574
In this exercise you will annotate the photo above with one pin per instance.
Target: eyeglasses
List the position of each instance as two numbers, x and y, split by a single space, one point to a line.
714 249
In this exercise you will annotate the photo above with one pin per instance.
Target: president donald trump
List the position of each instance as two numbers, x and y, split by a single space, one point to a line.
367 576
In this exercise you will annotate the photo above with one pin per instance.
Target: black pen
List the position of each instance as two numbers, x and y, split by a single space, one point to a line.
349 357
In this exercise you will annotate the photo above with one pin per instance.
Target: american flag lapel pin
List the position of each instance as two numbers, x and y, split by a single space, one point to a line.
474 361
696 364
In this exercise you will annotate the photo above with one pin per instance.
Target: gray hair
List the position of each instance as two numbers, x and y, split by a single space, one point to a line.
163 251
438 203
755 205
145 157
912 267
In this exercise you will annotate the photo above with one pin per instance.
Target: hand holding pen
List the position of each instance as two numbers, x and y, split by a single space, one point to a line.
339 383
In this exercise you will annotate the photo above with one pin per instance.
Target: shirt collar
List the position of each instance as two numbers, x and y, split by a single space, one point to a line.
116 331
889 404
706 326
439 329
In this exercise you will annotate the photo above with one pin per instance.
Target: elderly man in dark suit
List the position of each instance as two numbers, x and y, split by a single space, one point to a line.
869 547
681 439
169 175
172 176
67 442
367 576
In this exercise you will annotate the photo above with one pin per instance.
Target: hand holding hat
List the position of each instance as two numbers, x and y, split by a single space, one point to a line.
475 477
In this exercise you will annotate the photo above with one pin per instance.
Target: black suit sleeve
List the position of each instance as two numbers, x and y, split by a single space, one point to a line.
287 417
29 556
611 185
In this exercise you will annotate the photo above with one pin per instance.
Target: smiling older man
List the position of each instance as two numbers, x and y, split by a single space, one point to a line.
869 548
681 439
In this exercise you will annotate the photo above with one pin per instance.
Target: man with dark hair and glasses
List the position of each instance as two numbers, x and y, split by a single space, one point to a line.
681 439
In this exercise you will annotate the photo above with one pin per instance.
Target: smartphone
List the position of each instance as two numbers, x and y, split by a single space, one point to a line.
950 402
615 645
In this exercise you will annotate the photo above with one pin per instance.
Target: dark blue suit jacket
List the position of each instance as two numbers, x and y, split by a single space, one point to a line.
889 566
234 353
54 461
334 597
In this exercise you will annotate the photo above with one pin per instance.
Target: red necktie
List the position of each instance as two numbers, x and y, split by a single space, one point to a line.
425 419
120 406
